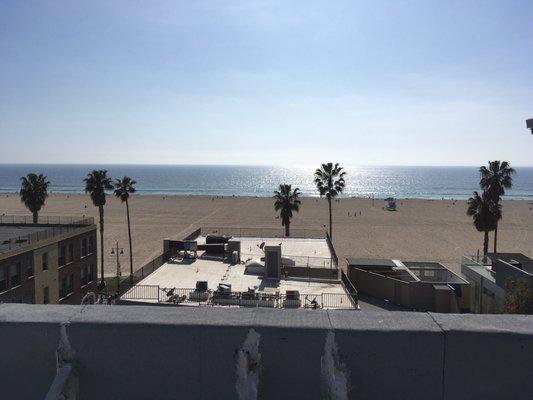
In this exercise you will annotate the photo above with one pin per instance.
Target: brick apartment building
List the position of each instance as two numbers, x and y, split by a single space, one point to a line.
53 261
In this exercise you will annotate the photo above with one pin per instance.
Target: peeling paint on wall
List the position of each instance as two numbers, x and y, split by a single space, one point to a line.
335 374
248 367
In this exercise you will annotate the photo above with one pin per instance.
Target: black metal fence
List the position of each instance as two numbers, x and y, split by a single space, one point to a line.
45 220
334 258
349 287
262 232
126 283
299 261
157 294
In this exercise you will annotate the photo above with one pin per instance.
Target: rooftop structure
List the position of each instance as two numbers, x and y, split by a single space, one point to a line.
493 277
275 272
53 261
423 286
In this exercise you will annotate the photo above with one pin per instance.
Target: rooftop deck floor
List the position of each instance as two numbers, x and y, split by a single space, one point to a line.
305 252
185 274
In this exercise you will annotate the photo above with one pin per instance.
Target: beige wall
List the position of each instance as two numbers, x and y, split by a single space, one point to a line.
46 278
417 295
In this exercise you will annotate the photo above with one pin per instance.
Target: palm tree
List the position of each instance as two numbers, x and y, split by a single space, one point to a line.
96 183
485 214
286 201
494 180
123 188
33 193
329 180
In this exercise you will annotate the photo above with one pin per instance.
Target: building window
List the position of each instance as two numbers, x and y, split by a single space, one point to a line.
84 273
90 273
29 270
46 295
63 288
70 252
14 274
3 279
66 286
83 247
44 259
62 259
91 244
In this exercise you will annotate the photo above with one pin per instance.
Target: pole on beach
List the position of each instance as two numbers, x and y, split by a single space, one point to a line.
116 251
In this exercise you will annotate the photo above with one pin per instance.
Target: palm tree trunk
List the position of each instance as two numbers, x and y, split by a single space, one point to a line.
101 211
330 220
485 245
287 229
129 237
35 217
496 237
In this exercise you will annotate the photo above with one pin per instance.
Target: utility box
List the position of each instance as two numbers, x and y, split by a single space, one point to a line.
234 246
273 262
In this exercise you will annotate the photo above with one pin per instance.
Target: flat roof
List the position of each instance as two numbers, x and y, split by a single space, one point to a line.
371 262
9 235
419 271
525 261
185 274
305 252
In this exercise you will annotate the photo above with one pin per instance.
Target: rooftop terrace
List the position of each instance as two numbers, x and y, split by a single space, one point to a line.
20 231
311 273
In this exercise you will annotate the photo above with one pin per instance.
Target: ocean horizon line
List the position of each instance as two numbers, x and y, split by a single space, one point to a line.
345 166
261 181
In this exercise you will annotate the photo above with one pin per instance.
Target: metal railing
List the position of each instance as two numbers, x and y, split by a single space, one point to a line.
154 293
142 292
350 288
126 283
63 225
262 232
299 261
334 258
45 220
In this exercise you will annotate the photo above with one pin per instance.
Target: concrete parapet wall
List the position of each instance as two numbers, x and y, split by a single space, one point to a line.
168 353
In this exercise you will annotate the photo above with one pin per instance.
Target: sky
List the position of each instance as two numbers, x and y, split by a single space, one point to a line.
266 82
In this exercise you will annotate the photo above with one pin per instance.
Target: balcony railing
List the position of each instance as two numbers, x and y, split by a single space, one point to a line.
52 227
191 296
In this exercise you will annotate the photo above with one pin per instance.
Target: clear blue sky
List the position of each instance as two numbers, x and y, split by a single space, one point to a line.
266 82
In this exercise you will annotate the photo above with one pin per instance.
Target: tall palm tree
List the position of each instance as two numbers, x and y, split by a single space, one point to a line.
33 193
123 188
494 180
286 201
485 214
96 183
329 180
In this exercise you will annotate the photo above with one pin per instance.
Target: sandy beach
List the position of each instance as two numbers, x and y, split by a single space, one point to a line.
421 230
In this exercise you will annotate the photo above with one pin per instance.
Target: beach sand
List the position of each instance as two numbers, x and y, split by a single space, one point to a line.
421 230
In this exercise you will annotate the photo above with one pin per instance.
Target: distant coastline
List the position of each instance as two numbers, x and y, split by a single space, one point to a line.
432 183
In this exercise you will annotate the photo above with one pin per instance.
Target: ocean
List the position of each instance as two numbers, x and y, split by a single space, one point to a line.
380 182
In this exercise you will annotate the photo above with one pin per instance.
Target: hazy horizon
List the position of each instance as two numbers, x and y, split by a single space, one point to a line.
345 166
279 83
